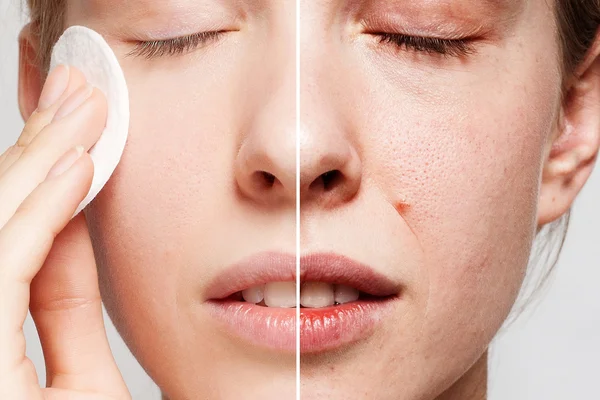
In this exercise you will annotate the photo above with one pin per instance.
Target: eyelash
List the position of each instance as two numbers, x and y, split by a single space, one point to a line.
182 45
430 45
174 47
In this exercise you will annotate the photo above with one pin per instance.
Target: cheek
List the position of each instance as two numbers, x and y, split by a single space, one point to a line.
152 224
468 157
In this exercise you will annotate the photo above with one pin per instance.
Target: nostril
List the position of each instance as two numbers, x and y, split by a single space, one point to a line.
265 179
328 180
331 178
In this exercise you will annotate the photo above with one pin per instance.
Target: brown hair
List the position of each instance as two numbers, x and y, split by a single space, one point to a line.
578 22
47 24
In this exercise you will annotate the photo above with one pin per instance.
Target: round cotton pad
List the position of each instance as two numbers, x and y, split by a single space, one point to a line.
86 50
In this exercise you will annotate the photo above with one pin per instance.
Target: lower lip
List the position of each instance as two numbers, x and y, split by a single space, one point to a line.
321 329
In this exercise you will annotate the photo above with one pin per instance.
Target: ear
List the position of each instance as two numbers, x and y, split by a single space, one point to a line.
575 144
30 74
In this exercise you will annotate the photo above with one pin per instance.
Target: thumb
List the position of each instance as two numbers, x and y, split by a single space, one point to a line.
67 309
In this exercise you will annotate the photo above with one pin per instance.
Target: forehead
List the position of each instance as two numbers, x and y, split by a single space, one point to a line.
173 5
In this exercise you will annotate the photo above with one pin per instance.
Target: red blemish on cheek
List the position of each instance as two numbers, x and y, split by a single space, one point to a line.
402 203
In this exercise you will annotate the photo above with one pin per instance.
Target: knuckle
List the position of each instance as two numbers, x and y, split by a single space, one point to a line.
70 303
16 382
29 132
14 150
24 217
26 150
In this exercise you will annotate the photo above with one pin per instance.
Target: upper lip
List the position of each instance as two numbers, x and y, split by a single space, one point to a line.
317 267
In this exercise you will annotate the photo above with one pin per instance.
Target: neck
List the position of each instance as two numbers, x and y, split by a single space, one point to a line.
472 385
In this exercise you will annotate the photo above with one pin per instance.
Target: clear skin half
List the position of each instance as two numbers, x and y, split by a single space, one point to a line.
183 203
446 168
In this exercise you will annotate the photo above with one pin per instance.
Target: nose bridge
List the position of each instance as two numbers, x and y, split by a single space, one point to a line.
266 161
330 167
273 132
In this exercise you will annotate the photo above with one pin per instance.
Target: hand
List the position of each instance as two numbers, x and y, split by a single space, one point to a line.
46 259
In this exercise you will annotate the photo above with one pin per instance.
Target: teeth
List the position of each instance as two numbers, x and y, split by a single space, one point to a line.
280 294
345 294
316 295
254 294
312 294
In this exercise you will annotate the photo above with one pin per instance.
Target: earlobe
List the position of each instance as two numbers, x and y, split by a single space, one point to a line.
574 151
30 76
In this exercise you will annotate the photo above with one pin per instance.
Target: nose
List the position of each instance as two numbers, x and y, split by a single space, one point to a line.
330 164
265 164
330 167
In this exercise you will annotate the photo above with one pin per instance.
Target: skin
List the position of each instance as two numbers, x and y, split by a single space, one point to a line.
460 160
209 201
53 276
466 142
211 207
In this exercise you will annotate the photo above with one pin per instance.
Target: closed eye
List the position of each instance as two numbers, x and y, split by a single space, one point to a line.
445 47
176 46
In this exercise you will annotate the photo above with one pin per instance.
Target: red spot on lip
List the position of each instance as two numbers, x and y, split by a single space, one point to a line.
321 329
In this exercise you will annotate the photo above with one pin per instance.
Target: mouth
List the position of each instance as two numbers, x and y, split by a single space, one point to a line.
341 301
312 295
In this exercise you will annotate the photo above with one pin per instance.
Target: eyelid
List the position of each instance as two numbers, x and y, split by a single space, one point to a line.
151 49
446 30
432 45
448 40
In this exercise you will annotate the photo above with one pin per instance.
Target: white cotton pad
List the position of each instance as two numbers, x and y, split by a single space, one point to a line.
86 50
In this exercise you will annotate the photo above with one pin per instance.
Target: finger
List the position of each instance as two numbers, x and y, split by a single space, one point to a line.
25 241
42 117
83 126
7 155
60 84
22 383
67 309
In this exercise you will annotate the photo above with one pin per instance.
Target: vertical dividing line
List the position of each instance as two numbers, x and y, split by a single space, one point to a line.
298 199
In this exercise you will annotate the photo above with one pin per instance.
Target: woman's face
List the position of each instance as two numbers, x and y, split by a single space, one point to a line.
185 204
435 165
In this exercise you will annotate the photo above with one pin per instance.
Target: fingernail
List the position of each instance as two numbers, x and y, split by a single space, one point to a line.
66 162
56 84
74 101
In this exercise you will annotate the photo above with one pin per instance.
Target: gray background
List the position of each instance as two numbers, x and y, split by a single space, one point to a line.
551 352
